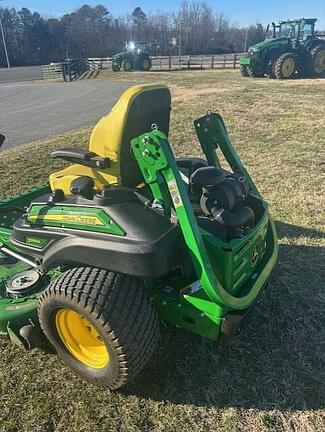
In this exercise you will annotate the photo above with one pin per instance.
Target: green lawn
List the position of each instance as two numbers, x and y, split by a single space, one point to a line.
273 378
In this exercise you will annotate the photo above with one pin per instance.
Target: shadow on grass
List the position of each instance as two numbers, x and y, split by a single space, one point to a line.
277 361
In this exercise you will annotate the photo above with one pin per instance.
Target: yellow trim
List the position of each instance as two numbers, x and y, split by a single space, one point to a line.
66 218
288 67
106 141
319 62
81 339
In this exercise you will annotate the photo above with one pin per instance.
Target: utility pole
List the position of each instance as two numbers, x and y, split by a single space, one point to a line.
180 40
4 43
246 39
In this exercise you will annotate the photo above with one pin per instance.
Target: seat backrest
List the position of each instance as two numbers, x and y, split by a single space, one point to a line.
137 109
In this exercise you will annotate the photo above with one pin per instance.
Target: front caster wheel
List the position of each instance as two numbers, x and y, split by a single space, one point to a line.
102 324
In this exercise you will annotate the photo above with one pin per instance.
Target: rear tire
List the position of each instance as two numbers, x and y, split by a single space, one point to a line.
127 66
102 324
243 71
317 61
286 66
146 64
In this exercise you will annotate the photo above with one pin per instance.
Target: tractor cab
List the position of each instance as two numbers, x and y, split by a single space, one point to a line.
137 47
300 30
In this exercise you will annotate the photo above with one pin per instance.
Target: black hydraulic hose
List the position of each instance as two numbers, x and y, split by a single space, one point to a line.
242 217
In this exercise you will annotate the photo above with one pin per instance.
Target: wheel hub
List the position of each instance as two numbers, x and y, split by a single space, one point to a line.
288 67
23 283
81 339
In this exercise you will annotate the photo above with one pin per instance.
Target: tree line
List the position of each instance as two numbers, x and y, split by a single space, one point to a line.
95 32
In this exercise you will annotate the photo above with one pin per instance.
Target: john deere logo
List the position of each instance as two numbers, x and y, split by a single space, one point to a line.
254 255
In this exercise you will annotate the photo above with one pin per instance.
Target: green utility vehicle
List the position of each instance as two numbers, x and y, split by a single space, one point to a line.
293 50
127 236
135 57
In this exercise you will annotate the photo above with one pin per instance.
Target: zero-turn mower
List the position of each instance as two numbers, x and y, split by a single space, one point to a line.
127 236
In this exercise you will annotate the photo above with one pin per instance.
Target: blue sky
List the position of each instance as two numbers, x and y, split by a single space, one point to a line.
243 12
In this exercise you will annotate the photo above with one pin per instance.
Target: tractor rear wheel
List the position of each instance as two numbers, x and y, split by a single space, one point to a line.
286 66
243 70
317 57
145 64
127 65
102 324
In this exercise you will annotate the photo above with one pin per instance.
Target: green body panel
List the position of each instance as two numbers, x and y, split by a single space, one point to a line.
188 311
15 312
79 218
22 200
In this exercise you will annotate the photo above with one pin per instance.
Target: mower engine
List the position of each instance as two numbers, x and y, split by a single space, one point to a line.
223 197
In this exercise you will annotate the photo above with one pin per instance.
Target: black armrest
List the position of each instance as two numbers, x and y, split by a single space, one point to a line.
82 157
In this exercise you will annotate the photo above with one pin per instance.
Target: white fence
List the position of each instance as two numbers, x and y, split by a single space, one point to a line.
217 61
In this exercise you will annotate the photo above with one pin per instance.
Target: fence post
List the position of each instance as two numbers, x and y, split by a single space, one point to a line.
201 61
212 62
170 61
235 60
189 62
224 61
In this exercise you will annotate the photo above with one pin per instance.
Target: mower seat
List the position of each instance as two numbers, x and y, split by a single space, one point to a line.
137 109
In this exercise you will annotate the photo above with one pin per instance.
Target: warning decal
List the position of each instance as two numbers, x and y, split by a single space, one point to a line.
173 189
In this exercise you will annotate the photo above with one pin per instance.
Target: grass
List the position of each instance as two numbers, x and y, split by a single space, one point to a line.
273 378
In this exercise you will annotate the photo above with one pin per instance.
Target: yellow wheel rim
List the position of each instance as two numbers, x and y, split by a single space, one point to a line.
81 339
319 62
288 67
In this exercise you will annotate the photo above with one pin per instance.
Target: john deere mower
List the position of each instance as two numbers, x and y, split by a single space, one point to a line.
293 50
127 236
135 57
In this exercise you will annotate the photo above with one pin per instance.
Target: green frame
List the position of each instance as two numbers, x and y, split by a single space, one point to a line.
207 295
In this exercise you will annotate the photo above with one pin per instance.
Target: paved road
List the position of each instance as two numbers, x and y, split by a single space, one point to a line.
21 73
32 111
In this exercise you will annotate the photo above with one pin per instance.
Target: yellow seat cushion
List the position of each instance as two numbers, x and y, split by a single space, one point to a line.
137 109
62 179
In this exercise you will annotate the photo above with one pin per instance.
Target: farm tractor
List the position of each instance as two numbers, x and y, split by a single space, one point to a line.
294 50
135 57
127 236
